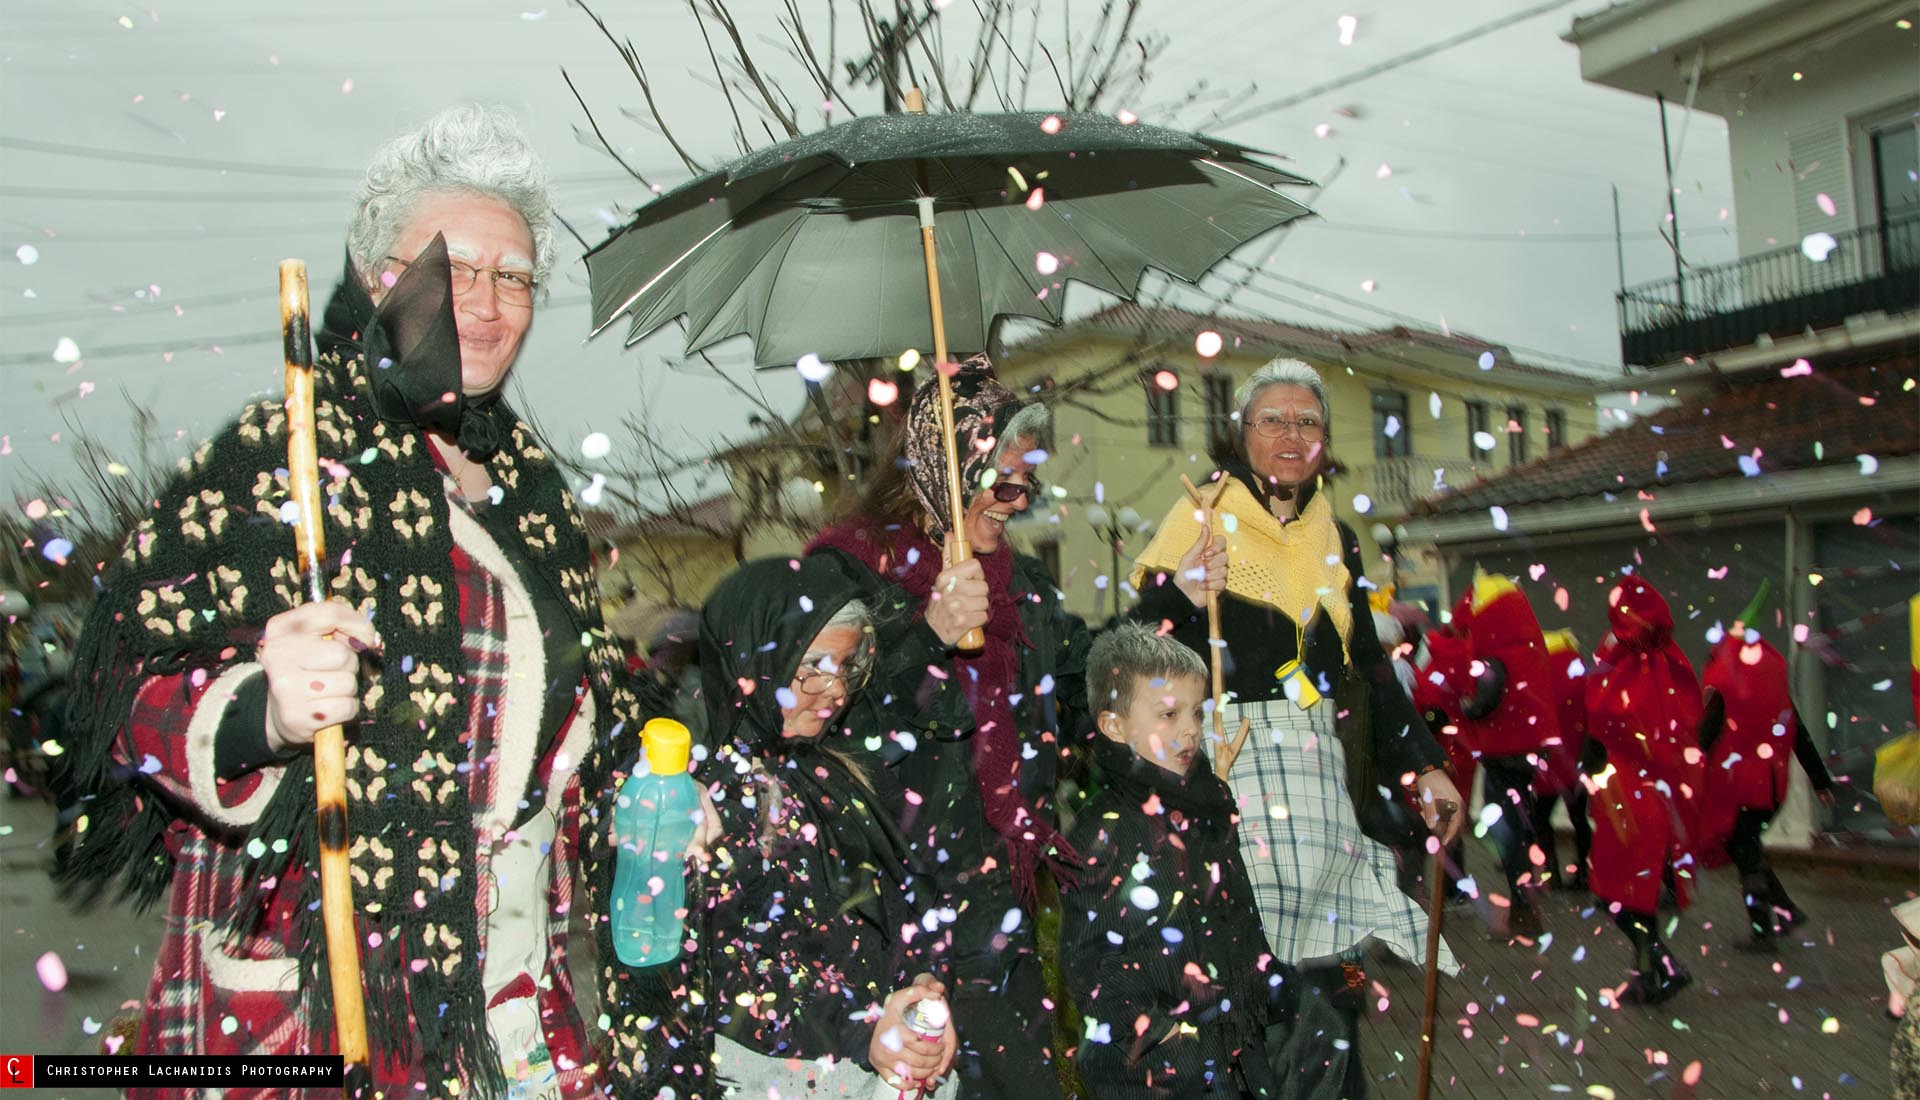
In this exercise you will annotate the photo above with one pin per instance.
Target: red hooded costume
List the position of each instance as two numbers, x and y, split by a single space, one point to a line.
1493 621
1559 768
1643 706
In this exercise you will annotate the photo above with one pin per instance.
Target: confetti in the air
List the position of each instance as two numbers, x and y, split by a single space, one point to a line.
27 254
1208 344
1818 246
1046 263
1347 24
812 368
882 392
66 351
596 445
52 971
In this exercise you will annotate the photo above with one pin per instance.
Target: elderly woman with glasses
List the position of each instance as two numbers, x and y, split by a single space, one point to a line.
811 920
462 649
983 808
1305 667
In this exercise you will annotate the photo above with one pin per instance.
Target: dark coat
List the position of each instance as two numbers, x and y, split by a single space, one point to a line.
1162 931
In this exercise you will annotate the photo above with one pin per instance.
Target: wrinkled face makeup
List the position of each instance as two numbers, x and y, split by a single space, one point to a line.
1285 434
820 686
481 232
1162 724
985 522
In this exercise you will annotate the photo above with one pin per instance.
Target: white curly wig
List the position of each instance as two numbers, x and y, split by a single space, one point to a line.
470 148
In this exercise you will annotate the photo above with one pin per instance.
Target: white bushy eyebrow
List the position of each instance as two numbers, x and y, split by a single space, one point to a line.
1314 413
514 261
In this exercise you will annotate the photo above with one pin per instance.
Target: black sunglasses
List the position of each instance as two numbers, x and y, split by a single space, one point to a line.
1006 492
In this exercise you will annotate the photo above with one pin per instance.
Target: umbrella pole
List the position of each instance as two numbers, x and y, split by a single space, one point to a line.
1436 912
974 640
329 744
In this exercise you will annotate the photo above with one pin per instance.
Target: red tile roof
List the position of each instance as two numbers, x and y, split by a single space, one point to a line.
1828 417
1132 317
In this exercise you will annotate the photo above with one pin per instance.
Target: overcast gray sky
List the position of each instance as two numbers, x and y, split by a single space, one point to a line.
161 158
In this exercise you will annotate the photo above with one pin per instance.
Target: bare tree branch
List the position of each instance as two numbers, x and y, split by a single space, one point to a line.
604 143
745 57
739 130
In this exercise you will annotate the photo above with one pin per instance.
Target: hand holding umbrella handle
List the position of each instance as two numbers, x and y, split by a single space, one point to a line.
975 640
329 744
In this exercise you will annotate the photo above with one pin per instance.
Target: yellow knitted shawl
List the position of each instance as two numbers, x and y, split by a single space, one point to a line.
1297 568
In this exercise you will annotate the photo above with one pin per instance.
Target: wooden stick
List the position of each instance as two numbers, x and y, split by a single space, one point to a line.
329 744
1436 912
973 641
1223 763
1215 658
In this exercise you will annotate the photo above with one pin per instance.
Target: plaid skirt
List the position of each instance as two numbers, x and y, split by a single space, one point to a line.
1322 886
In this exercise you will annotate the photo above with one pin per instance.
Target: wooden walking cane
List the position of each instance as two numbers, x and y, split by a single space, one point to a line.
329 744
1222 760
973 641
1436 910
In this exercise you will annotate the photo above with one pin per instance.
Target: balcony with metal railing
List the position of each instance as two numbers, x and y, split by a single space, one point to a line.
1395 482
1818 283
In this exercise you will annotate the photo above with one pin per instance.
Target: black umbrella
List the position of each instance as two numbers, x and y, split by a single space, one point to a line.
814 246
824 245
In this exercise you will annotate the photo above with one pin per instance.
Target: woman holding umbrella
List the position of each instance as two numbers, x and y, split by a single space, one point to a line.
1298 632
452 650
990 826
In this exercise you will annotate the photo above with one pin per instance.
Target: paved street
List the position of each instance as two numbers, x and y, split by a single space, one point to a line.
1521 1021
1525 1020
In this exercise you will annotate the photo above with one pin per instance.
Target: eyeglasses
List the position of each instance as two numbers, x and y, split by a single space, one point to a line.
815 680
1307 428
1006 492
514 287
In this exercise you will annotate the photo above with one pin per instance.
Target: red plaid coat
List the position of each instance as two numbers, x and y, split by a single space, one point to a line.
210 996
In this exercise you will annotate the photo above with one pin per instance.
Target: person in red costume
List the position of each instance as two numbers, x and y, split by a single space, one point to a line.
1556 774
1490 682
1749 730
1643 768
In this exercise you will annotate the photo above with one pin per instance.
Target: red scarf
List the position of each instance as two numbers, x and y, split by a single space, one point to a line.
912 561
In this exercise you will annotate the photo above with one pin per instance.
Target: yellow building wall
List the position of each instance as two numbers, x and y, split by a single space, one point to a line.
1101 450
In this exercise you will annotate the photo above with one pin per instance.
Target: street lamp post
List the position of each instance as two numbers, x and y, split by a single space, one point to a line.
1390 539
1114 527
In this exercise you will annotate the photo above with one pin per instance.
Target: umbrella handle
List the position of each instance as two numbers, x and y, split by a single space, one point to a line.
975 640
329 744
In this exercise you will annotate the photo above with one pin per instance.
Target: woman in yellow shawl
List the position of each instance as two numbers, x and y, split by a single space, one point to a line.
1298 630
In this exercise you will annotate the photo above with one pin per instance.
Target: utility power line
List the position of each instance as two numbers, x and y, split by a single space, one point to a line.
1392 63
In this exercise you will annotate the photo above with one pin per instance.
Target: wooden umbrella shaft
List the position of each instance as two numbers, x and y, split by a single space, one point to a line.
973 640
329 744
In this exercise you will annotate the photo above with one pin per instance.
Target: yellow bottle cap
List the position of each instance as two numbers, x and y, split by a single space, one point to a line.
668 745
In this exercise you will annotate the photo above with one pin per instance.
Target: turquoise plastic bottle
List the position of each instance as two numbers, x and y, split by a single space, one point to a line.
654 817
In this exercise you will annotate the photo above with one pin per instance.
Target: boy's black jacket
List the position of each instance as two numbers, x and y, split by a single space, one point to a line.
1162 931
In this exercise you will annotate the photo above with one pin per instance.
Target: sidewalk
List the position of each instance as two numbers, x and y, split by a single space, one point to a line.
1526 1021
